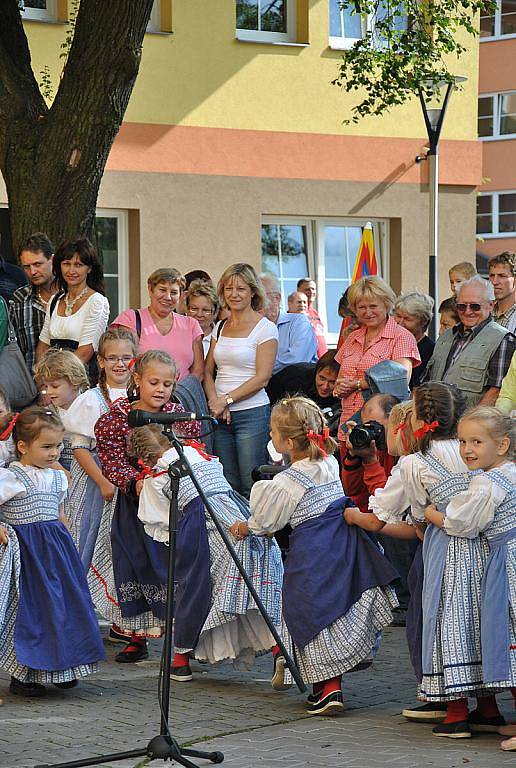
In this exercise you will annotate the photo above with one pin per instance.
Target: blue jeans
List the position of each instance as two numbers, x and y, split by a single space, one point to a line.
242 445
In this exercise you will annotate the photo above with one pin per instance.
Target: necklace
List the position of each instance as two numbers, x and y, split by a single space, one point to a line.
41 299
69 305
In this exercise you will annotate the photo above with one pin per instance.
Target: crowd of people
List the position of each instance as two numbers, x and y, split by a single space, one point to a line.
393 495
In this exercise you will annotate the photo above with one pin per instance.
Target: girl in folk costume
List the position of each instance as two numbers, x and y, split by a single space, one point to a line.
336 596
7 449
128 573
453 567
487 439
215 615
89 489
48 630
62 377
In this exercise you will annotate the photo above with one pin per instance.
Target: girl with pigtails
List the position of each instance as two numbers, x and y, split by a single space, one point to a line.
128 572
336 594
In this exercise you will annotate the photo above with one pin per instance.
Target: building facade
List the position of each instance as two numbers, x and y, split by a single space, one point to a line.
234 149
496 206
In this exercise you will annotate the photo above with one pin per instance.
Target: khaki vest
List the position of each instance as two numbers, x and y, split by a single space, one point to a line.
469 371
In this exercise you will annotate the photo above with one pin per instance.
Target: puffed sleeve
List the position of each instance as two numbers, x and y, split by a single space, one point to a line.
471 512
153 507
418 499
44 336
10 487
95 321
272 503
62 484
390 503
110 433
80 419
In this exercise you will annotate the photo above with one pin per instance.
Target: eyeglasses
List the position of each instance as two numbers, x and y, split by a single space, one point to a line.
195 311
112 359
474 307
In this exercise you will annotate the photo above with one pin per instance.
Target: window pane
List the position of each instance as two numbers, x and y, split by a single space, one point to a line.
484 204
334 290
111 284
292 246
107 242
270 248
507 222
508 17
335 19
41 4
485 106
273 15
485 126
507 203
484 224
508 113
487 26
247 14
340 251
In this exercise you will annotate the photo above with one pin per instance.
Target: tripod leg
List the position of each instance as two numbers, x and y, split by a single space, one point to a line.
215 757
99 760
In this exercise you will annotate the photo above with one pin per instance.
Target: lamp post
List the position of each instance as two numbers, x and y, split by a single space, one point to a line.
434 118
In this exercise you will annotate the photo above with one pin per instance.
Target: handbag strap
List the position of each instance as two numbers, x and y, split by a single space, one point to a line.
11 333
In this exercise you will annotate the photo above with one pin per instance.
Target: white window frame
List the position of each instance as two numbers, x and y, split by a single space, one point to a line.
315 252
495 216
259 36
345 43
498 34
40 14
122 217
497 136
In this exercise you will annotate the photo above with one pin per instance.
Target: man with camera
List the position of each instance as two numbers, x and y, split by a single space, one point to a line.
366 465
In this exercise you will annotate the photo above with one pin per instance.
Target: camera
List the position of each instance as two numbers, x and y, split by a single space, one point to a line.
362 435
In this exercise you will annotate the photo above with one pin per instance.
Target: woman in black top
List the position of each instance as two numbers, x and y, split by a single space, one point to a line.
414 312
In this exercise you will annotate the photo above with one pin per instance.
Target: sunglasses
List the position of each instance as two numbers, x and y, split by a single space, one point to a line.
474 307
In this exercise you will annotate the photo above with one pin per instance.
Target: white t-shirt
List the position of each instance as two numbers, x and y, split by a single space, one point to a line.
85 326
236 362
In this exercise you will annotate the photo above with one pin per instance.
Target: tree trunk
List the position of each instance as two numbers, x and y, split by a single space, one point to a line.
52 159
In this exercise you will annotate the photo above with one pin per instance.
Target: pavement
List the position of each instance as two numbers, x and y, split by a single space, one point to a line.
239 714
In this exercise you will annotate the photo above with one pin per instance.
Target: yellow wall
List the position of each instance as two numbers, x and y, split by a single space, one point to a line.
202 76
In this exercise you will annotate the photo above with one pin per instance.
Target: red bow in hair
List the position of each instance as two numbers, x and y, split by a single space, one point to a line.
401 428
131 363
200 448
425 428
318 439
9 428
147 471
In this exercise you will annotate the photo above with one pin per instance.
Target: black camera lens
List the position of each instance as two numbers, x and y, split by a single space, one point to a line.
362 435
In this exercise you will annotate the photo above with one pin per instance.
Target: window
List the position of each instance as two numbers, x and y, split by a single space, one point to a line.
39 10
497 115
154 24
496 214
501 23
323 249
272 21
112 243
347 27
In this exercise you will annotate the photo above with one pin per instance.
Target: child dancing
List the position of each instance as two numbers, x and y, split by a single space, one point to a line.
336 596
487 439
215 616
48 633
89 489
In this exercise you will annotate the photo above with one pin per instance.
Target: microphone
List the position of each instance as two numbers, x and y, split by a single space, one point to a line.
138 418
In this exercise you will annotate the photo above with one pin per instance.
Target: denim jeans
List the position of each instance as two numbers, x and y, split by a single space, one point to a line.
242 445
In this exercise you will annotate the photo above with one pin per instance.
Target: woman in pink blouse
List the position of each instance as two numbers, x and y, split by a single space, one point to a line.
159 327
378 338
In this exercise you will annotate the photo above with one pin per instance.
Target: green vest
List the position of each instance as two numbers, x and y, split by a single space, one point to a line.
469 371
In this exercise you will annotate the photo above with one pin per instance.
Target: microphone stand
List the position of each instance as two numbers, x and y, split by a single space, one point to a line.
165 746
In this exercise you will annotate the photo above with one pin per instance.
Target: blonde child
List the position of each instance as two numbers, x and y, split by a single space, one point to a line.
487 440
7 449
215 616
49 633
89 489
458 273
62 377
336 596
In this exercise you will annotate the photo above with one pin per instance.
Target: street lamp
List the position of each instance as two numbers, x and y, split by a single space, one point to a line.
434 110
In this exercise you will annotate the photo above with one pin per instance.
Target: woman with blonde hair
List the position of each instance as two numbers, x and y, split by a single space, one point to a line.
159 326
377 339
242 351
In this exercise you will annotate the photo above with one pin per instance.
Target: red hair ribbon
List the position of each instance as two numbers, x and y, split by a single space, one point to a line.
147 471
9 428
425 428
200 448
318 438
131 363
401 428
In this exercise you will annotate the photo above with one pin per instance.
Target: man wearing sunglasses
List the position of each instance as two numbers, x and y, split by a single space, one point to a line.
474 355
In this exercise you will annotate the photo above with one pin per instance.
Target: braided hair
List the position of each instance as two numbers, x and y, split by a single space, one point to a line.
148 443
440 402
112 335
295 417
142 361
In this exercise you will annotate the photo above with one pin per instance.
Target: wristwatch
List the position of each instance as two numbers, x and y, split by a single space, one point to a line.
229 400
359 385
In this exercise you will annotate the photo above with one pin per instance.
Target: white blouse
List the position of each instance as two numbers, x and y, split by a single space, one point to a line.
390 503
471 512
7 451
417 476
273 502
153 505
85 326
83 414
43 479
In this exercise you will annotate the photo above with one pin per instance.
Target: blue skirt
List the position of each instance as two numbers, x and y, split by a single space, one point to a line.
56 627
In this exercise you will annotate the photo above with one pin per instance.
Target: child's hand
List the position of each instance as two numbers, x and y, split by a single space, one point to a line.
107 490
138 487
239 530
4 538
433 516
351 515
